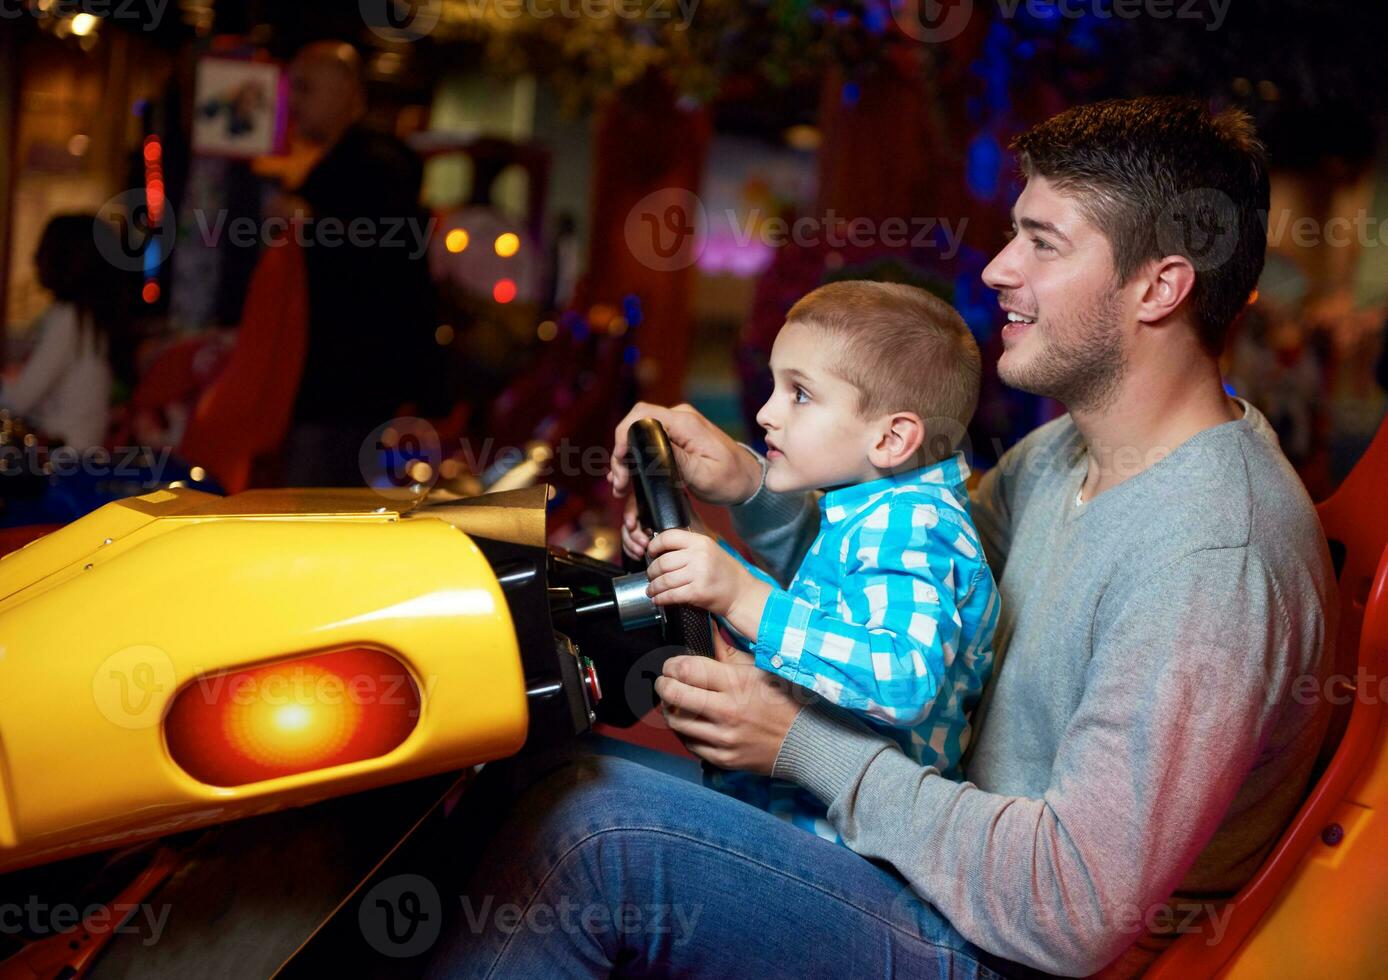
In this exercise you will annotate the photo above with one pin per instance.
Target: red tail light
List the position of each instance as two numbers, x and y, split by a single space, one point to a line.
313 712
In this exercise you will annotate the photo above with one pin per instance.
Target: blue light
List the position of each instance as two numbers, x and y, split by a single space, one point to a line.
631 309
984 167
1229 390
843 17
631 355
851 93
153 256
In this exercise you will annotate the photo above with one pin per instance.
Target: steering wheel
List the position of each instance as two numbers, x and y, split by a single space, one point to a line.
662 505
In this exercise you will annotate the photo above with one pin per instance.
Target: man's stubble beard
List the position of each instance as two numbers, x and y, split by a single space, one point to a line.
1081 364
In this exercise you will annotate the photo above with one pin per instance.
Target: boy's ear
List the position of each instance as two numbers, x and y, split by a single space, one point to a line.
898 441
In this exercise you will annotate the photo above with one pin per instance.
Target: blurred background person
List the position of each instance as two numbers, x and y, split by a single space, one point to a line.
371 306
81 345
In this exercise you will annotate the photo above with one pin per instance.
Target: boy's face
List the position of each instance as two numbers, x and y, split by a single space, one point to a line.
814 435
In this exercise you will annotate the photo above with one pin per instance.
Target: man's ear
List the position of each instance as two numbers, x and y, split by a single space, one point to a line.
1168 281
899 440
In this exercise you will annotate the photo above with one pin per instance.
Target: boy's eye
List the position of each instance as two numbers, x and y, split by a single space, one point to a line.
801 395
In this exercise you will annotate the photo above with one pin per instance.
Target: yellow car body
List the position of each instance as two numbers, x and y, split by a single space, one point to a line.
181 659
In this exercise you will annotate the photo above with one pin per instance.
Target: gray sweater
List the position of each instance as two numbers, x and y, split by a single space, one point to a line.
1142 745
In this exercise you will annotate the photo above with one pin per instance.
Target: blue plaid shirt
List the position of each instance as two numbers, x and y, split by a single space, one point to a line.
891 614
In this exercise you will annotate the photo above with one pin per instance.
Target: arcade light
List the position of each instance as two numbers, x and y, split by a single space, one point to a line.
504 291
154 210
456 241
507 244
312 712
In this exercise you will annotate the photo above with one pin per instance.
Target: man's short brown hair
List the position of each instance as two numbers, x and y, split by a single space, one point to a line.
1161 175
904 349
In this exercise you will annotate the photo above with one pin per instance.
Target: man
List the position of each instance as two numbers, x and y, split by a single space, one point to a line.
371 309
1163 581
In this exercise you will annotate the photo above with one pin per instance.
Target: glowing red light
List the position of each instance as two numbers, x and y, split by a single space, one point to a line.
300 715
150 292
504 291
153 150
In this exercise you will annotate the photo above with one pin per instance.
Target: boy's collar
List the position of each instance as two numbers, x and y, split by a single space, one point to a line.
845 502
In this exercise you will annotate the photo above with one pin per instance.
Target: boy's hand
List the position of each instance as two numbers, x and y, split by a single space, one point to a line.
635 540
691 569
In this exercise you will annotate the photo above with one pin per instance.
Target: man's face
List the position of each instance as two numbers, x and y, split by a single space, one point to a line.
321 99
814 435
1066 312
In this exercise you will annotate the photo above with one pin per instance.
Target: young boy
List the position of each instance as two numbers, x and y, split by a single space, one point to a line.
891 613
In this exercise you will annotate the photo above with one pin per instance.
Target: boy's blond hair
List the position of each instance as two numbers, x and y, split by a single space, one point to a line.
904 349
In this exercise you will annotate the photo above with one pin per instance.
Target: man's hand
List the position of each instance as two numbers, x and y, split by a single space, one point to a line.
690 569
728 711
713 467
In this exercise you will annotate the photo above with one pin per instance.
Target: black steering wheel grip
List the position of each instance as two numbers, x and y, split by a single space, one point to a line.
662 505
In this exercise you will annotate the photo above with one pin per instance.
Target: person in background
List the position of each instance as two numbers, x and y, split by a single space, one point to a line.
371 303
80 341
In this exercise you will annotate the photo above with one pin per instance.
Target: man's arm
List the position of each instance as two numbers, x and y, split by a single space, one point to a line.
779 527
1192 674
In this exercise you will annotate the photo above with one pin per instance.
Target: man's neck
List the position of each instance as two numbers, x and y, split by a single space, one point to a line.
1153 412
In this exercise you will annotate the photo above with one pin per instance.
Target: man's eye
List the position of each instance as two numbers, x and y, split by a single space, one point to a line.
801 395
1042 245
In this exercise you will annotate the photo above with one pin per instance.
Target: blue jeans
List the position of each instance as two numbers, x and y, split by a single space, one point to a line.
607 868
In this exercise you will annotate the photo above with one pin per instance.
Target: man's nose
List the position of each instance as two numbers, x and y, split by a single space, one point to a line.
1003 272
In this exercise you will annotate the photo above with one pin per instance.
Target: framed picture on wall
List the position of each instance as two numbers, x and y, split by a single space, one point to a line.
240 108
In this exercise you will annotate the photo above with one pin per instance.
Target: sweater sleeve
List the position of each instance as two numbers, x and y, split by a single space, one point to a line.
779 527
54 353
1181 693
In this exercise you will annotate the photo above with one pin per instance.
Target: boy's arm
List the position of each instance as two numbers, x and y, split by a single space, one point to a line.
888 658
